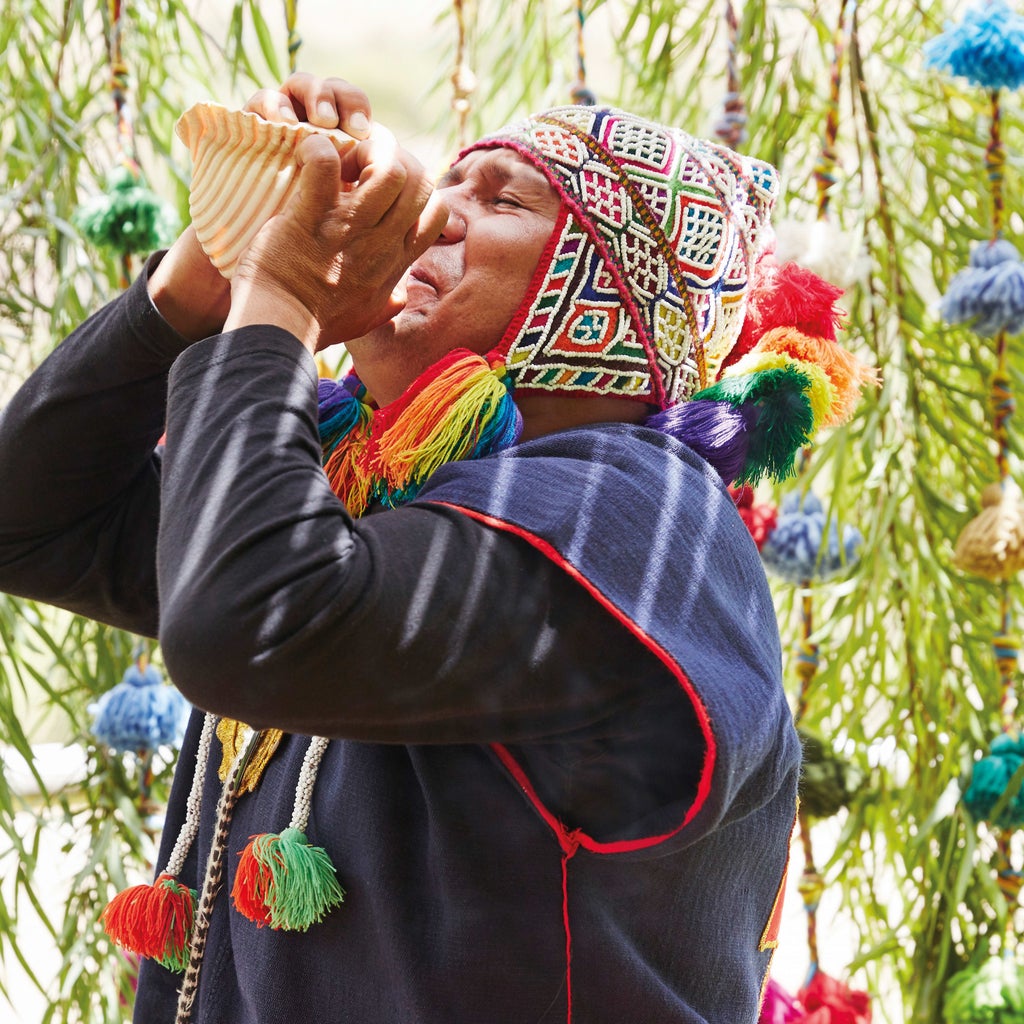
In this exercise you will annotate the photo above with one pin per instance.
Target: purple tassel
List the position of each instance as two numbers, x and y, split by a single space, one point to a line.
719 432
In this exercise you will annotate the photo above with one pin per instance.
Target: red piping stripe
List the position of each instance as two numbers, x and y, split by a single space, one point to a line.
570 840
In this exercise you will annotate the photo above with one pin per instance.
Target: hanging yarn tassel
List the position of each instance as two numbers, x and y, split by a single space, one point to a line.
828 782
731 126
759 518
990 994
989 295
986 48
805 546
140 713
992 544
153 921
128 216
823 248
990 778
282 880
156 920
829 1001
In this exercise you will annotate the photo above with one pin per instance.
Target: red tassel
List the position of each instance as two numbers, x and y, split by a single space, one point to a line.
252 883
787 296
153 920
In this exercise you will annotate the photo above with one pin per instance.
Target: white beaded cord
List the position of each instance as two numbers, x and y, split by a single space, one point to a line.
307 780
194 803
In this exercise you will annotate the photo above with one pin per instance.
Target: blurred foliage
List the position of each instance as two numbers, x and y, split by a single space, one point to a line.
907 690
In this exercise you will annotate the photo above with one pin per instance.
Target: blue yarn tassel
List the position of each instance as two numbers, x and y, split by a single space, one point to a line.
140 713
989 294
989 779
804 546
986 48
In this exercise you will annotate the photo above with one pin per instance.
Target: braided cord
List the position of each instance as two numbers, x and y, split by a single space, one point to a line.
212 881
194 803
294 39
307 780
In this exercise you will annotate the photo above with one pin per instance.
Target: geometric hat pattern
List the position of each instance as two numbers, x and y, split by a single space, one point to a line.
642 289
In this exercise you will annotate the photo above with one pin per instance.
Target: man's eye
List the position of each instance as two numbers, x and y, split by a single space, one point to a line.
503 200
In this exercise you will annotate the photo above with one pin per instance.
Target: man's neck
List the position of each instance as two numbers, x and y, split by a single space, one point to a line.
547 414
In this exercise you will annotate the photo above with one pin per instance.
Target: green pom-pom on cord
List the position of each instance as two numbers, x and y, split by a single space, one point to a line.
284 882
128 217
991 994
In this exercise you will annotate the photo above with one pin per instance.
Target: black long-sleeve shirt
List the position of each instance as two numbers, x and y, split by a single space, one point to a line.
462 669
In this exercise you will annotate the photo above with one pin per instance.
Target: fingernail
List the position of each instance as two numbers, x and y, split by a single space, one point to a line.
287 114
359 122
326 112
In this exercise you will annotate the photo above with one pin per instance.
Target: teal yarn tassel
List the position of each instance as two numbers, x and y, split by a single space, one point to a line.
128 217
989 781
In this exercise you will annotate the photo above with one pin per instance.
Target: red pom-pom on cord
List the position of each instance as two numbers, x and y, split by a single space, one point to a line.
153 920
787 296
760 520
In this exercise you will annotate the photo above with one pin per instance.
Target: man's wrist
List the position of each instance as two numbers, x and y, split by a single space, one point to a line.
253 304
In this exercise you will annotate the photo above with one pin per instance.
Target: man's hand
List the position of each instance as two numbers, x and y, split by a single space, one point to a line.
326 268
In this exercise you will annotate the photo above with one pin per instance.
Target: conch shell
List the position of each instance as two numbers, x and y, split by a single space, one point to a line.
243 172
992 544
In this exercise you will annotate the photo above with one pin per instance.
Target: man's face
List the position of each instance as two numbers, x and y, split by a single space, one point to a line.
464 290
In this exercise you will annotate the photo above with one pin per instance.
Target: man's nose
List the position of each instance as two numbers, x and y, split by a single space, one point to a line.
455 229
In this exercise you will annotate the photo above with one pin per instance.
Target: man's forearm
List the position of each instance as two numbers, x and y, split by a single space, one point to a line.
80 495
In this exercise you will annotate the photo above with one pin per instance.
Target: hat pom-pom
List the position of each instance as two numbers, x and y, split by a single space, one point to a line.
285 882
805 546
990 994
988 295
986 48
787 295
153 921
989 779
141 713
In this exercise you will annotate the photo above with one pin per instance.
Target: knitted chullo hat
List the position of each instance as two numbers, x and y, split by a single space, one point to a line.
643 286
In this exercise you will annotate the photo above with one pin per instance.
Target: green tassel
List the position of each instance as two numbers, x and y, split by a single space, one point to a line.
991 994
296 883
785 419
128 217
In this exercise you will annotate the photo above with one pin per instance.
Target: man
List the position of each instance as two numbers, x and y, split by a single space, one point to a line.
557 771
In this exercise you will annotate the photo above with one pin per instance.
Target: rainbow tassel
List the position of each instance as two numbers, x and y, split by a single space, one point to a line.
465 411
153 921
284 882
